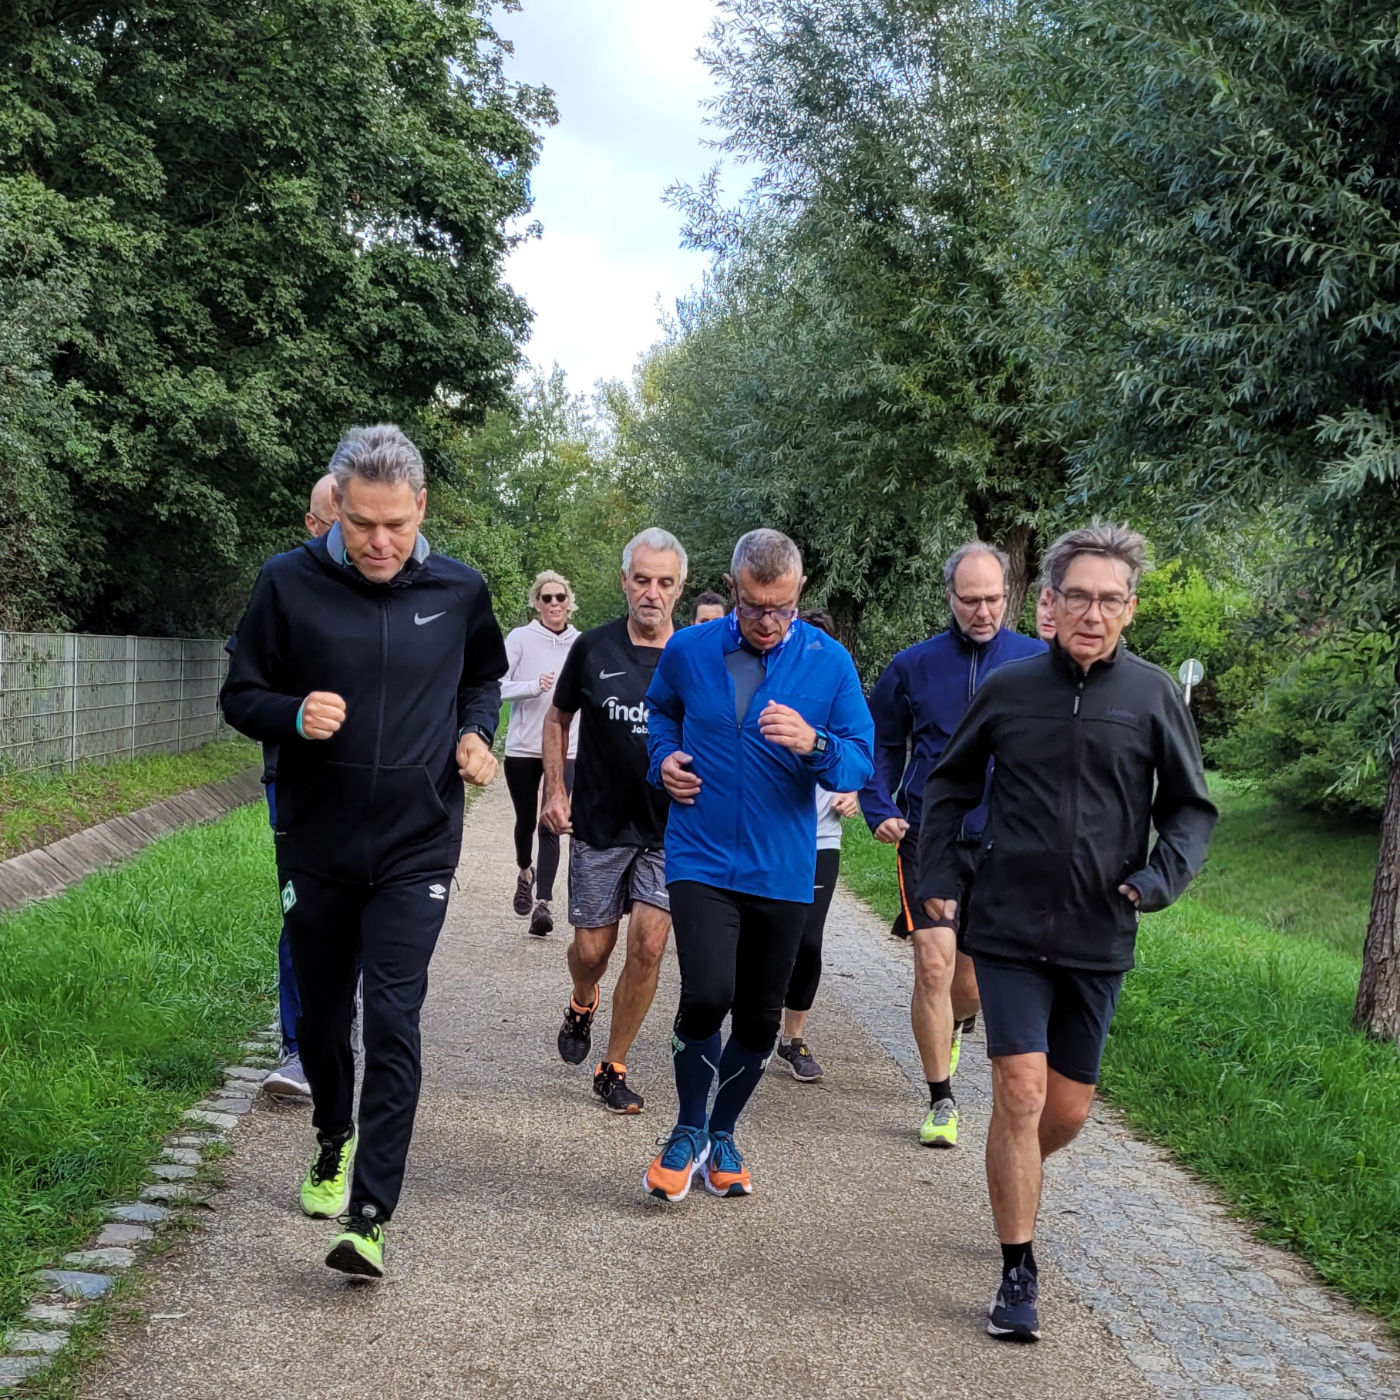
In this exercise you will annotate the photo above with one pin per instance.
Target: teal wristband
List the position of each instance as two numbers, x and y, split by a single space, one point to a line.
300 709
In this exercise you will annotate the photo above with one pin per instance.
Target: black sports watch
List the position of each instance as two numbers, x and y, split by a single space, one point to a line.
819 743
477 730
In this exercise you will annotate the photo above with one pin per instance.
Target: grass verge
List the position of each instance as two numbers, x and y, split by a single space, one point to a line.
119 1003
36 808
1233 1044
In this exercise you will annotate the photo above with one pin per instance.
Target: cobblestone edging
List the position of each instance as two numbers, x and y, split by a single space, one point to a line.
54 868
1202 1309
176 1189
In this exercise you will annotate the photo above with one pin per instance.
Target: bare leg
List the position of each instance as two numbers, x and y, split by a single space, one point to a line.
1067 1104
966 1002
794 1023
647 930
588 960
935 950
1013 1144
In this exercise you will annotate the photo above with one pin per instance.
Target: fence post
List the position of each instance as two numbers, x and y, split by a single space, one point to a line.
180 704
131 712
70 664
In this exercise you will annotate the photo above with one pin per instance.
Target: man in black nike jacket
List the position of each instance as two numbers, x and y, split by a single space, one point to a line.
375 665
1092 747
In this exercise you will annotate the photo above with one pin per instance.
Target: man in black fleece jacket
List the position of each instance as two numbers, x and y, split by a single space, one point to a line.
375 665
1092 747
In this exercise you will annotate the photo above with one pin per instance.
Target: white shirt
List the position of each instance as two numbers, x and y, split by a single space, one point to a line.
533 651
828 823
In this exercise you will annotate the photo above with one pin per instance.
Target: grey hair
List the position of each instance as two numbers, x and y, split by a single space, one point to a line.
1102 537
967 551
380 452
549 576
658 539
768 555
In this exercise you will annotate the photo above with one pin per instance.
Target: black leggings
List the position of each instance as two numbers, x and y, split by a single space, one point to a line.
807 970
736 953
523 778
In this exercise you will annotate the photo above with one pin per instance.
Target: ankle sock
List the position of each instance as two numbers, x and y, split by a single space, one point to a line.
939 1089
582 1009
1017 1256
740 1072
695 1063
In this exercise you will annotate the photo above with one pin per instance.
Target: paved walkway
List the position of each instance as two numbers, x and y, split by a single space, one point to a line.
525 1261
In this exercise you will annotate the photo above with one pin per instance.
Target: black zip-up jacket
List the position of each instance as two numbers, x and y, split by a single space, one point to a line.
1076 757
416 660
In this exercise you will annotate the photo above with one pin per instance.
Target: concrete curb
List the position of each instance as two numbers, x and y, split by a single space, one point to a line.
54 868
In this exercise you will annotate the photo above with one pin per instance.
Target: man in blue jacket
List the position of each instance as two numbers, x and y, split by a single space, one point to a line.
917 704
749 715
375 665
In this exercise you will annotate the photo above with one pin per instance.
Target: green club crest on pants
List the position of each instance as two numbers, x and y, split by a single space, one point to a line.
289 897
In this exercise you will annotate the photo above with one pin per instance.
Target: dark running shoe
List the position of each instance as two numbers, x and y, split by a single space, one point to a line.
610 1084
524 891
541 921
1012 1316
576 1034
798 1058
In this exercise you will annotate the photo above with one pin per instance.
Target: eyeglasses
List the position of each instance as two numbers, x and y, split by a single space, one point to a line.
554 597
1077 602
989 600
320 519
751 612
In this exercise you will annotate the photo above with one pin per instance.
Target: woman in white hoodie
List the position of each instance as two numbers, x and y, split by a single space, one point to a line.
536 653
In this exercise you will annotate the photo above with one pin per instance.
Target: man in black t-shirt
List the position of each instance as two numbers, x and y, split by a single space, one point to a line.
616 819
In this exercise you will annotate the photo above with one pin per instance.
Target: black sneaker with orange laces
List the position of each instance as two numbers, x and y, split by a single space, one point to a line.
610 1084
576 1034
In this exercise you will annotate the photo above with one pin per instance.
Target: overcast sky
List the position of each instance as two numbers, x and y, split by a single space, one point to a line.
628 88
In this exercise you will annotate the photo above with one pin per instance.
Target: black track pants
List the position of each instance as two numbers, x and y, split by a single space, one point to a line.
807 970
736 953
523 778
394 928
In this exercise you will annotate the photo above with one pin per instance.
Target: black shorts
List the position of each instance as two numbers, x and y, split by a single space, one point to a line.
906 862
1059 1012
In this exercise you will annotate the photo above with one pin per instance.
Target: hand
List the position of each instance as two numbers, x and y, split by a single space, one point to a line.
475 761
546 682
677 778
892 831
845 804
557 812
941 909
1133 893
785 727
322 713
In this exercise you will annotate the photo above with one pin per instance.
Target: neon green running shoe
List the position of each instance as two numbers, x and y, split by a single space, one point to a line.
326 1191
358 1248
940 1128
957 1049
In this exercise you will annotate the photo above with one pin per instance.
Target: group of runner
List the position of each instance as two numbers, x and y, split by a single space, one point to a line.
702 774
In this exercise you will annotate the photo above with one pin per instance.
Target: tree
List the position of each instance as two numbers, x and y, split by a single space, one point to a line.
1207 283
291 216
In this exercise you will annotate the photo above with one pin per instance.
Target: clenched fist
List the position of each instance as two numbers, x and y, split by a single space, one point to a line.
322 713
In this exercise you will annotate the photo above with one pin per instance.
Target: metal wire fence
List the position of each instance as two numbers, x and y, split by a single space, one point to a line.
66 697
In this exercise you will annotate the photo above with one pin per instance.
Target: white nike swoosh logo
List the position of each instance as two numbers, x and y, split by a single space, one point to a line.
608 675
432 617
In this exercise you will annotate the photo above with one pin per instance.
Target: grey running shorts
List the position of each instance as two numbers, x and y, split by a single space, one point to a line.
605 881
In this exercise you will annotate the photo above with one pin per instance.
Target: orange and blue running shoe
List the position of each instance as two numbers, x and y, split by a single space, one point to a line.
725 1172
682 1154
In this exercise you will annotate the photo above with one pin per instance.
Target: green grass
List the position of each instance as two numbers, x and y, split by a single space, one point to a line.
1233 1043
36 808
119 1002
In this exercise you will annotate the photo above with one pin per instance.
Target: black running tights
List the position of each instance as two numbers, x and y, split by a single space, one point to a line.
523 778
807 970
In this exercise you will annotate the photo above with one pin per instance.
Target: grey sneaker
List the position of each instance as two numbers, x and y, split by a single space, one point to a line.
287 1081
798 1058
524 890
541 921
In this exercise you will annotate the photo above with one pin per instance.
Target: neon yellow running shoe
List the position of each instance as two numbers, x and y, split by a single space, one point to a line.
326 1191
957 1049
940 1128
358 1248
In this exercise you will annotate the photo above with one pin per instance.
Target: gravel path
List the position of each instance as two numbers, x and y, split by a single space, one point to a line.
525 1261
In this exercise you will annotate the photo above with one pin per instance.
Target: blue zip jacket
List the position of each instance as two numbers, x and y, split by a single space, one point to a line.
753 826
917 703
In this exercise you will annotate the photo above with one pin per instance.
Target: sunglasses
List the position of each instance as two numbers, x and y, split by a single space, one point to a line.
554 597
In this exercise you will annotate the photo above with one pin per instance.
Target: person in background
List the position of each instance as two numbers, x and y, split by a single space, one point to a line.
709 606
832 809
537 653
1045 613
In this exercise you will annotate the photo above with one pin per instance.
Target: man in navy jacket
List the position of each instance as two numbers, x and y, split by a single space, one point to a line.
749 715
917 704
375 665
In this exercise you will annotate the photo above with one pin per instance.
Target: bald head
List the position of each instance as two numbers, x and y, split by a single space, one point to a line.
320 514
